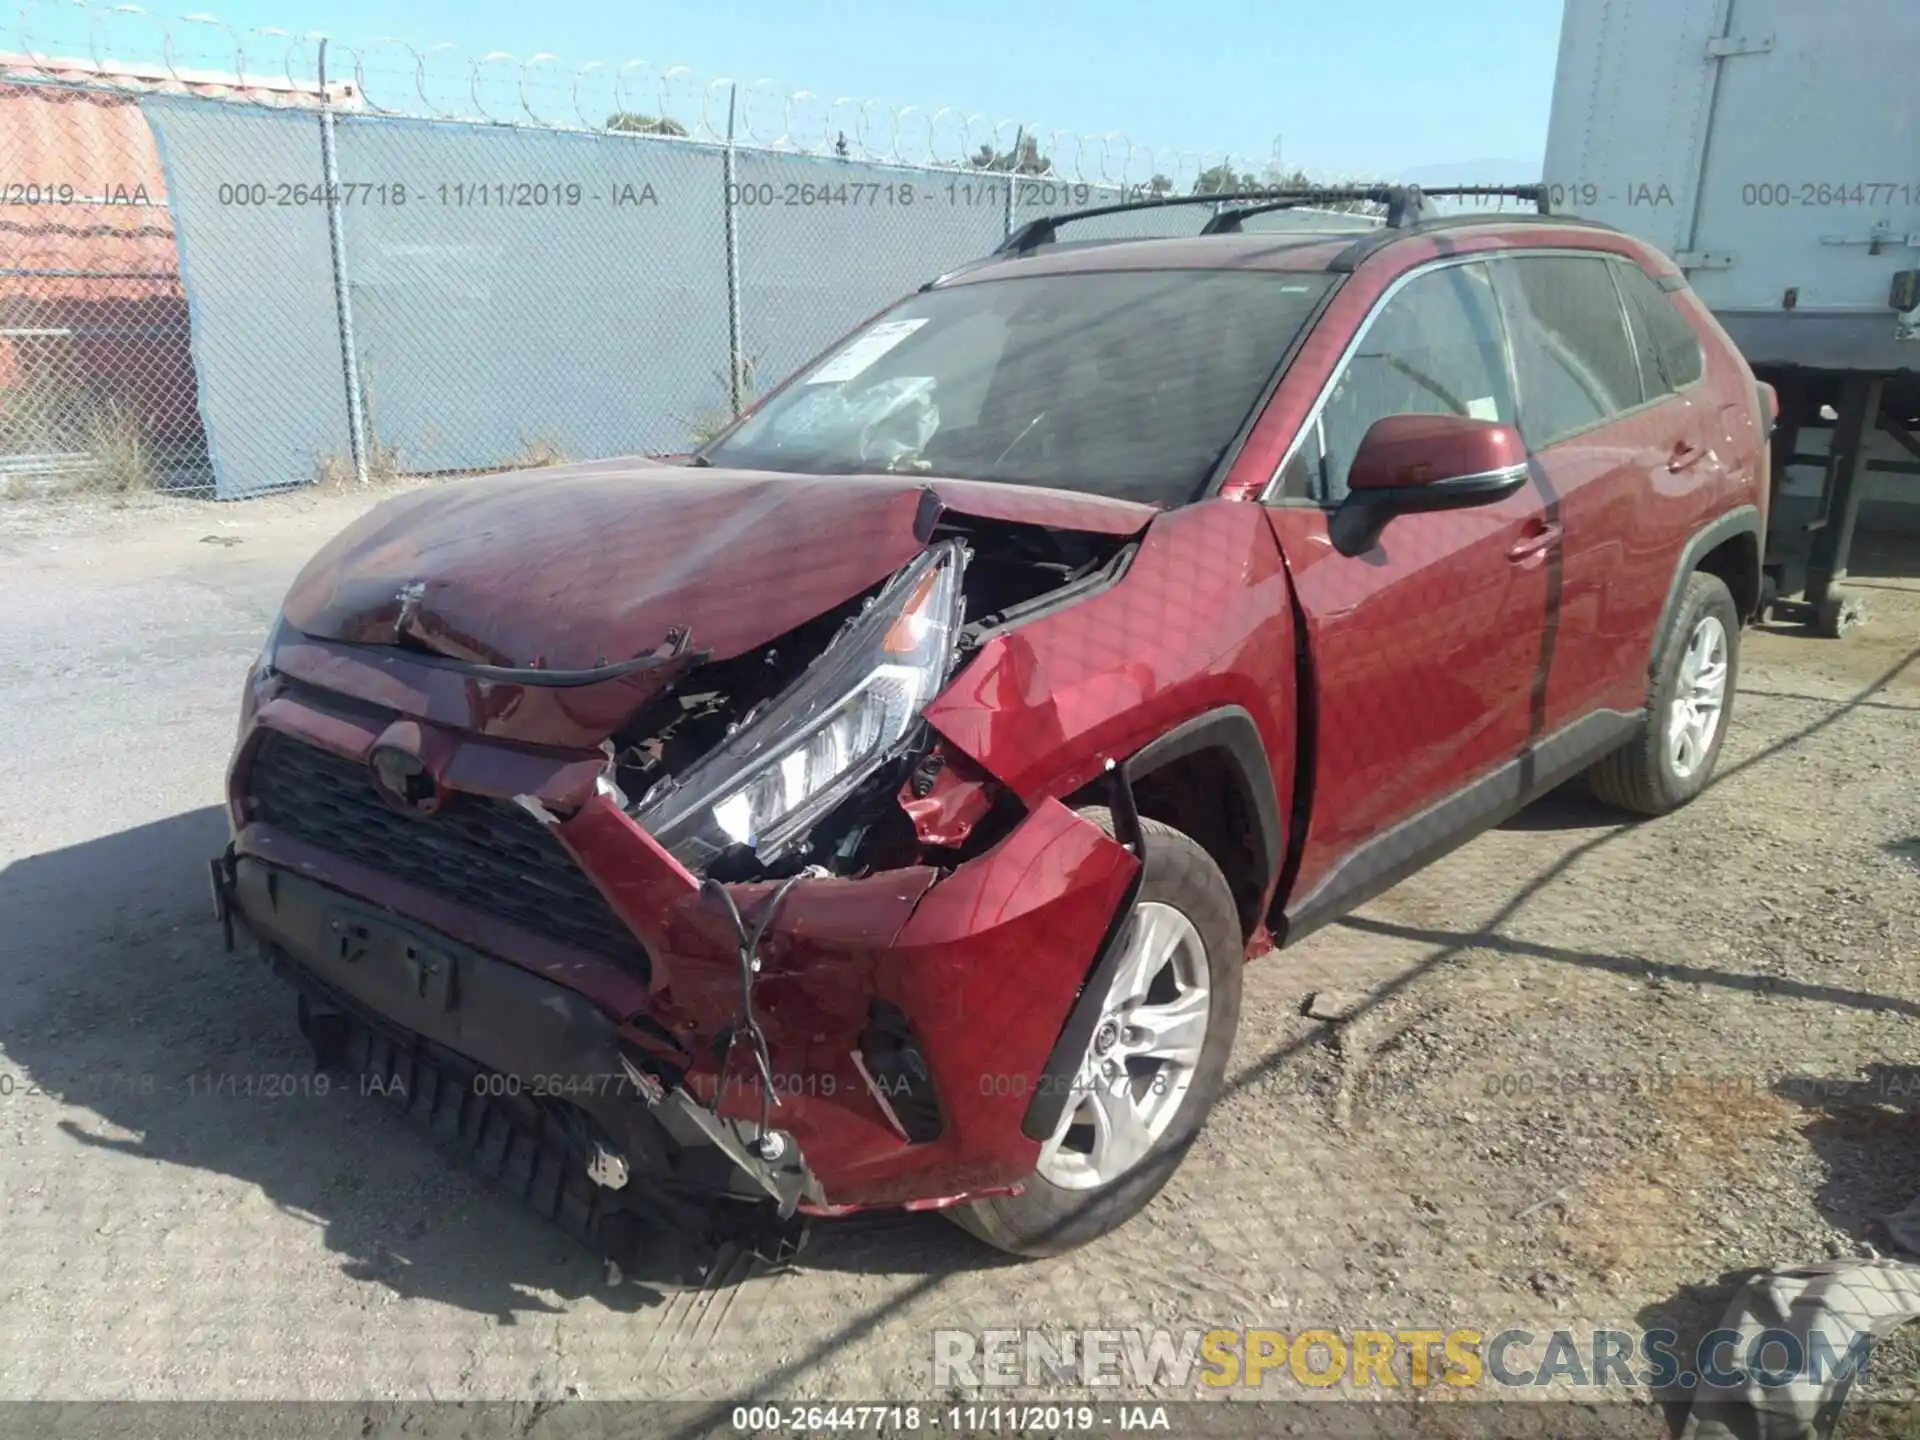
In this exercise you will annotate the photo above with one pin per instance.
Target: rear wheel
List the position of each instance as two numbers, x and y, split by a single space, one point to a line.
1153 1069
1671 760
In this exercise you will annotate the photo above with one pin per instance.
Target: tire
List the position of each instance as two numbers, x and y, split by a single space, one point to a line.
1836 1301
1049 1219
1839 614
1642 776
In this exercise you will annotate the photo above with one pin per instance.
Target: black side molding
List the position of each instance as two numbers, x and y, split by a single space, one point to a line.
1419 840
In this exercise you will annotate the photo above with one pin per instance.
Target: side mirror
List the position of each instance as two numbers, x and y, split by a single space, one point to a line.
1426 462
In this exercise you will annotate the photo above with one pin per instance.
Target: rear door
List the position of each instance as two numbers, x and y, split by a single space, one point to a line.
1625 455
1425 649
1601 446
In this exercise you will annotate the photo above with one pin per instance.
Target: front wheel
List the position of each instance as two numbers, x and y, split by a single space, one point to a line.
1153 1069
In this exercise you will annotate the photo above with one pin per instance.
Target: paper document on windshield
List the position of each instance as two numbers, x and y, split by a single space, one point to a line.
864 351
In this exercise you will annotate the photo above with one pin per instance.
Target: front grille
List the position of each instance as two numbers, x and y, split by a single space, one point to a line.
486 854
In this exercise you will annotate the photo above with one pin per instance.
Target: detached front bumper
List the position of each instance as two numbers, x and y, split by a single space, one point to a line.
910 1018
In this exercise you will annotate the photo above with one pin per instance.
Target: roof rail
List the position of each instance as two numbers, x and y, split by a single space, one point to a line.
1406 207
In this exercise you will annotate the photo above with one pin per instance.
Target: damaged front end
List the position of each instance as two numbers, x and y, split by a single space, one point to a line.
752 759
766 947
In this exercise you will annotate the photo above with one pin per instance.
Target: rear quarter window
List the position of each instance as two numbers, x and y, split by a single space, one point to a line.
1670 349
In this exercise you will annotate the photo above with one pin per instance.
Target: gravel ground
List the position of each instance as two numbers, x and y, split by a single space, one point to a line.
1598 1072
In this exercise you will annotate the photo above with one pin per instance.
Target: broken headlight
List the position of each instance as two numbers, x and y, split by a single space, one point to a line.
786 768
263 663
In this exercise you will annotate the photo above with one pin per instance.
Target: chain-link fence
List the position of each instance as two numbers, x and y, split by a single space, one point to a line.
211 280
95 358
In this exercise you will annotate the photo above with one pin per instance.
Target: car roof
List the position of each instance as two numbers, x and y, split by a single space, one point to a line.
1292 250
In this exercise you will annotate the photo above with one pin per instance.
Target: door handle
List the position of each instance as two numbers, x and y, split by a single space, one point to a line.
1537 541
1684 454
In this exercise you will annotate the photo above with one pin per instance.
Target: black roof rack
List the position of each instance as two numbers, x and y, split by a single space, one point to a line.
1406 207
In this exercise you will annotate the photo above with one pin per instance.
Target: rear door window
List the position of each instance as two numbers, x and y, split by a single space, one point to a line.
1572 351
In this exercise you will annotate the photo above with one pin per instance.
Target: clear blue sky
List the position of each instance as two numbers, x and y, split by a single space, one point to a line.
1379 85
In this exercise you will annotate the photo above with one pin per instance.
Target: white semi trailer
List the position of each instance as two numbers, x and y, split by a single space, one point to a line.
1772 147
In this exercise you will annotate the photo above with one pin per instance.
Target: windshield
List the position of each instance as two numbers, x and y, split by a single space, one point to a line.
1131 384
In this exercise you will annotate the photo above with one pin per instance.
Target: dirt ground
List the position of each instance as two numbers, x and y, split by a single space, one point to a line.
1600 1071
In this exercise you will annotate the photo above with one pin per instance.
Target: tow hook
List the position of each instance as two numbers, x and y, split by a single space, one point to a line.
222 876
607 1169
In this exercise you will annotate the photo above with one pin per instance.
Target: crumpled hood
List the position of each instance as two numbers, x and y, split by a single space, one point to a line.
570 567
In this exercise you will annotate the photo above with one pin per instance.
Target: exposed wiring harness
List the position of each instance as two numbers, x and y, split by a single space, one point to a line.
764 1144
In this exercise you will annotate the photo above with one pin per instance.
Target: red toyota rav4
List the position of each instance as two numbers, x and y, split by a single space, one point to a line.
876 809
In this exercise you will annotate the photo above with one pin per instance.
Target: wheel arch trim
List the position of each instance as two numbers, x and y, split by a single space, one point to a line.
1229 729
1742 520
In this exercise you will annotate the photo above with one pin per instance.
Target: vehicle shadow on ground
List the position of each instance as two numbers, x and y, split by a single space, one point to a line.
119 999
1251 1073
1688 1317
1571 807
1865 1129
1448 946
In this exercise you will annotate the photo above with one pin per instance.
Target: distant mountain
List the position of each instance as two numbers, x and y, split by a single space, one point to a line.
1474 172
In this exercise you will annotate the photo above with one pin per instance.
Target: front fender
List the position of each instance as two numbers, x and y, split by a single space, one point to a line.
1198 630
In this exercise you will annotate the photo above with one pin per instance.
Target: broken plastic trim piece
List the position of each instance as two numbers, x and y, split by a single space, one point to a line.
608 1168
531 804
676 648
879 1095
1126 814
1059 1077
603 785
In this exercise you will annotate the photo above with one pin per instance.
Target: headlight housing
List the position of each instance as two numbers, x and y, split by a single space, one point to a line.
271 645
790 765
253 689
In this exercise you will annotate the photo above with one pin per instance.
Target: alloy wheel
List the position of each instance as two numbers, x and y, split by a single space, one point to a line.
1141 1061
1699 697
